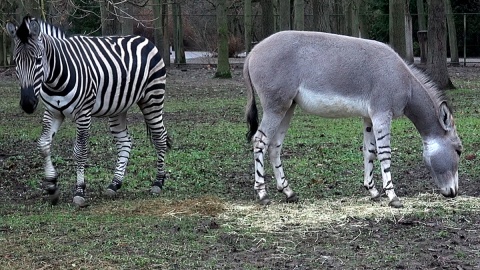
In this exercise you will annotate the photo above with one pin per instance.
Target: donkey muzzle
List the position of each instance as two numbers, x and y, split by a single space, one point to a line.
28 100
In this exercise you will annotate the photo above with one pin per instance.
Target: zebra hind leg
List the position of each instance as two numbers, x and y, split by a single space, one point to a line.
118 128
152 110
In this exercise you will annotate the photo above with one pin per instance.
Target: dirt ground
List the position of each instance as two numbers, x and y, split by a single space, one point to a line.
420 243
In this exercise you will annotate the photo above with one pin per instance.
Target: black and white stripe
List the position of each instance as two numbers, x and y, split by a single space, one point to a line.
80 77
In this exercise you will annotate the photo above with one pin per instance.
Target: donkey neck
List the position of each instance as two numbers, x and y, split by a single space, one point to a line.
422 109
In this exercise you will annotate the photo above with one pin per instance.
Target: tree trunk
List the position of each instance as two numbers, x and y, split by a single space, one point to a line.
223 66
437 45
322 10
337 21
422 21
268 18
109 20
248 25
397 26
284 14
452 34
126 18
178 34
362 19
157 6
408 34
166 35
299 8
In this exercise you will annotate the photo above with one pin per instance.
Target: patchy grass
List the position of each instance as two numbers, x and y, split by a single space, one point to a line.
207 217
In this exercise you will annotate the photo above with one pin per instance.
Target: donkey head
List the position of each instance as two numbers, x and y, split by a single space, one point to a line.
442 153
29 57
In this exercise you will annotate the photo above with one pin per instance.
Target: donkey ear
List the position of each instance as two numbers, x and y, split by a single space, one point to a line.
34 28
11 29
445 117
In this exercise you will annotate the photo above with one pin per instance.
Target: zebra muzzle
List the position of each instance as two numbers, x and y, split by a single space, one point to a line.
28 100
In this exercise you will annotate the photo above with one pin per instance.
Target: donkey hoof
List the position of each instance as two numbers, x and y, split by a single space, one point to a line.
292 199
80 201
395 203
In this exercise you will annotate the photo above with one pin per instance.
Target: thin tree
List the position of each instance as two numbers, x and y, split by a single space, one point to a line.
397 26
284 14
299 15
178 34
437 45
248 25
268 18
125 18
109 20
452 34
161 41
422 20
223 66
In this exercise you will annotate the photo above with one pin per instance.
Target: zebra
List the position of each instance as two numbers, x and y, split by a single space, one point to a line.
81 77
338 76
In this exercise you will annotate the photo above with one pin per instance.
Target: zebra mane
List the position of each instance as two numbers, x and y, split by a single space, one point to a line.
23 32
435 94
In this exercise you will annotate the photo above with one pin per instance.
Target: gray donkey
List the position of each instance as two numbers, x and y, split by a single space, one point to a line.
338 76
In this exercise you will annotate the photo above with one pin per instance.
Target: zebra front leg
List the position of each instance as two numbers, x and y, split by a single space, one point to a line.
118 128
80 152
384 154
369 156
49 128
274 151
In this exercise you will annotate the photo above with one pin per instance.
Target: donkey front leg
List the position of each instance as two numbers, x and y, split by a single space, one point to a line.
384 154
80 153
49 128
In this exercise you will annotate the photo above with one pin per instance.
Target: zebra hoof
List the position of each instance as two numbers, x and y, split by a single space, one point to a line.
292 199
110 192
395 203
54 197
376 198
80 201
155 190
264 201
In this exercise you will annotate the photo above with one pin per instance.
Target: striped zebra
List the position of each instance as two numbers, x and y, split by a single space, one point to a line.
81 77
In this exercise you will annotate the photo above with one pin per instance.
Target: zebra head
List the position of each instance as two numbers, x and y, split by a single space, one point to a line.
29 57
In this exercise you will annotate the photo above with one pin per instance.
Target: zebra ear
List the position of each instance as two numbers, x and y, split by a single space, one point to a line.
34 27
11 29
446 117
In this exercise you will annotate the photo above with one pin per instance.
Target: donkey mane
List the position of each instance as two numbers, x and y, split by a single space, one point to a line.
435 94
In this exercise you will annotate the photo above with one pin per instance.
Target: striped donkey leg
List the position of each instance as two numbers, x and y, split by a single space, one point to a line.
274 151
118 128
261 141
369 156
381 129
50 127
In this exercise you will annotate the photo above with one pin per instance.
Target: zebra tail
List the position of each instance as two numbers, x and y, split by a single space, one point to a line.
149 135
251 111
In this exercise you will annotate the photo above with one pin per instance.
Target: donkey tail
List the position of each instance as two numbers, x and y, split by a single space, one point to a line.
251 111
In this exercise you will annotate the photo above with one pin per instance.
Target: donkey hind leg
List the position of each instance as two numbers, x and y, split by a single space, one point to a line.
381 129
261 140
118 128
80 153
369 156
274 151
49 183
152 109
